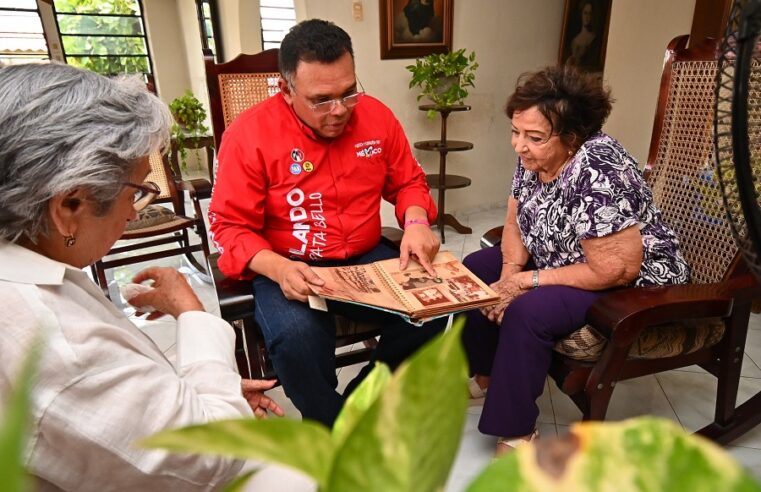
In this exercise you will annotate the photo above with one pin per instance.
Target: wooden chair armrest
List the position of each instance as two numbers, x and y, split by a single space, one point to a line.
197 188
492 237
622 314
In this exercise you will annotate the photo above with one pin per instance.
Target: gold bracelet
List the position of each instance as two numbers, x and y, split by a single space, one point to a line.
512 263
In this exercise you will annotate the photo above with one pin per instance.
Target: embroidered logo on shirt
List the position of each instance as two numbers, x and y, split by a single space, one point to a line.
368 148
369 151
308 166
295 168
297 155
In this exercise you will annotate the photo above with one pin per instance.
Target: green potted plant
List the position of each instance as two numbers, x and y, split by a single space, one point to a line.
189 116
444 77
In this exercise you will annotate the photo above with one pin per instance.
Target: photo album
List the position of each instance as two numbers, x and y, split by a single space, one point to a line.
411 293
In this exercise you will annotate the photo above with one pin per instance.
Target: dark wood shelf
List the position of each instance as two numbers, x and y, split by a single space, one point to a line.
451 181
439 146
449 109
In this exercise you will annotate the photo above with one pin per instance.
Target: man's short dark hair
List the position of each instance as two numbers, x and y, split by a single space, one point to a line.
313 40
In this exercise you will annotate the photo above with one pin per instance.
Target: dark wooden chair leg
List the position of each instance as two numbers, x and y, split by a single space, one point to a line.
731 421
730 365
599 401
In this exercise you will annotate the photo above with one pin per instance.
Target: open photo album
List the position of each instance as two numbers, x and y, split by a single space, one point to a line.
412 293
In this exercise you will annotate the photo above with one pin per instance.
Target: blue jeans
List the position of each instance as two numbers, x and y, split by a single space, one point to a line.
301 341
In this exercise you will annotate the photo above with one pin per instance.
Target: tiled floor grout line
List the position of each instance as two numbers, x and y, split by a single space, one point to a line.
673 408
746 354
548 382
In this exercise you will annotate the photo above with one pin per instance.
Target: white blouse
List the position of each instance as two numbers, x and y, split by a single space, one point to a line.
103 384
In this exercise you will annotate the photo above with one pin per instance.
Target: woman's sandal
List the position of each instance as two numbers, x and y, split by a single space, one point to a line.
505 445
477 393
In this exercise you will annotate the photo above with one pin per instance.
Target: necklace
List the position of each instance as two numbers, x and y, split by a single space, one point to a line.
557 173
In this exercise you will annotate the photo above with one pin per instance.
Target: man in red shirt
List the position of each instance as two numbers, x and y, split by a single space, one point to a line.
299 183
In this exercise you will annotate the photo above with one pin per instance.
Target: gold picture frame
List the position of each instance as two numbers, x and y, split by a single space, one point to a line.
584 38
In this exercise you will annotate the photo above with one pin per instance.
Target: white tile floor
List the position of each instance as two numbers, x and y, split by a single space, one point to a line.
685 396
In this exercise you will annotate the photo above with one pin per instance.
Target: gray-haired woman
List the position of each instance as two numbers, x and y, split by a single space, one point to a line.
73 158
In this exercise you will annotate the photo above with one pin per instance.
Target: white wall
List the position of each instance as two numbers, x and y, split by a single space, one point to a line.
639 33
168 42
241 27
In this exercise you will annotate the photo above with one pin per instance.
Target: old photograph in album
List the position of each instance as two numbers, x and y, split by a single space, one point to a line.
412 293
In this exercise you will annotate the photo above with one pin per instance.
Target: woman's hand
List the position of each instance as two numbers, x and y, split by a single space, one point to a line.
171 293
253 393
508 289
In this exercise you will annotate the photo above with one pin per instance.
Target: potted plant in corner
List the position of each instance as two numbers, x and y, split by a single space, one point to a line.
189 116
444 77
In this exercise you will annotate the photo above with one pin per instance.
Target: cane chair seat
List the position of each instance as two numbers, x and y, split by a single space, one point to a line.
156 224
654 342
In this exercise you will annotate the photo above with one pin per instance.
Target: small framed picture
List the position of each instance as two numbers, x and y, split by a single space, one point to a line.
415 28
585 34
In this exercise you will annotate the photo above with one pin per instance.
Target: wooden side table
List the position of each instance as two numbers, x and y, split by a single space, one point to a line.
443 181
204 141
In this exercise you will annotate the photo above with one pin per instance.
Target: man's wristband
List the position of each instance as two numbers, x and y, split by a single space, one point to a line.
535 279
416 221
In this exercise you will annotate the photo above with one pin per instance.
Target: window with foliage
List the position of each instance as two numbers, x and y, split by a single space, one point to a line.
21 35
105 36
207 21
278 16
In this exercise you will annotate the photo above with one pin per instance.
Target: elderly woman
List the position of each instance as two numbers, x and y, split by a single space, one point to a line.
72 164
580 221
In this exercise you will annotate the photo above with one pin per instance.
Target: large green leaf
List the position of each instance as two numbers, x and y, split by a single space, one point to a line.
368 391
15 426
642 455
305 446
408 438
239 483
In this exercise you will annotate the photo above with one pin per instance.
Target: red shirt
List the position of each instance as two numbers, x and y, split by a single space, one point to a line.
279 186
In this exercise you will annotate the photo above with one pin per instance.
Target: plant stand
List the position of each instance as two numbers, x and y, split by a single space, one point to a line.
443 181
193 142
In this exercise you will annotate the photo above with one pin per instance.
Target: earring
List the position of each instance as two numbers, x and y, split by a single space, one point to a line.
570 152
69 241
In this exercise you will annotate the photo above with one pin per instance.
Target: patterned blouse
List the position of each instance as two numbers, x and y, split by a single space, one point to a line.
600 191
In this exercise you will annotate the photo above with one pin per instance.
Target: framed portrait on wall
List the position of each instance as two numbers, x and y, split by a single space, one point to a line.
585 34
415 28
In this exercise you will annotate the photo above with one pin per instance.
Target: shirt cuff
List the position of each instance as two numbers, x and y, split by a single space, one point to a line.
203 337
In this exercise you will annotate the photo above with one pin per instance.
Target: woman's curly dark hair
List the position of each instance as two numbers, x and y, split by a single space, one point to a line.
575 104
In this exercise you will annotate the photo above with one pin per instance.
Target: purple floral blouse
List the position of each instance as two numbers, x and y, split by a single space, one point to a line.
600 191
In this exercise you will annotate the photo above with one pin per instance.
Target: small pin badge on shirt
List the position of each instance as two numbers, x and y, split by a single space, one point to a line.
297 155
295 168
308 166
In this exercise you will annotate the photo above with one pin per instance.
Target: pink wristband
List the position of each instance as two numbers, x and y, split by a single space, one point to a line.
416 221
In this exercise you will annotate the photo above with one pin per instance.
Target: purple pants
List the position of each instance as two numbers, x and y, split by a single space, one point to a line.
517 354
